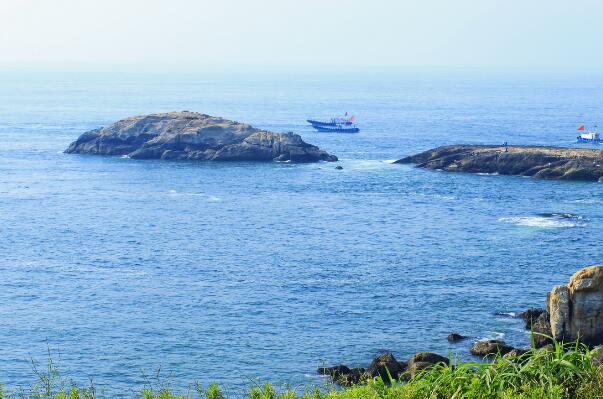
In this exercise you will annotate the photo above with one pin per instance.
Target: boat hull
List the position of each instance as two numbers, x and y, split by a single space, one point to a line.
336 129
319 123
595 141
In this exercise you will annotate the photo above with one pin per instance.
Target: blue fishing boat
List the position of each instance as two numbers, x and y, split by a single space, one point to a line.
339 124
589 137
337 129
333 122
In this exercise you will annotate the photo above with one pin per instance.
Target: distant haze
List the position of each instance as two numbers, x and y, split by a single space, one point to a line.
303 34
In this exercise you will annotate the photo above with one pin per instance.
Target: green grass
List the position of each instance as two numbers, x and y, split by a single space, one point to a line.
566 371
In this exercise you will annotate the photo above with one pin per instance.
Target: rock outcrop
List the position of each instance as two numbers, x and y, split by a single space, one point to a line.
384 366
490 347
194 136
538 162
576 309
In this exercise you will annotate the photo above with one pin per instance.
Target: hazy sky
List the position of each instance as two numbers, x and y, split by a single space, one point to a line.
303 33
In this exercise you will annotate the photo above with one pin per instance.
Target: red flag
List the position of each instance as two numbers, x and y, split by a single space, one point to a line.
581 127
352 118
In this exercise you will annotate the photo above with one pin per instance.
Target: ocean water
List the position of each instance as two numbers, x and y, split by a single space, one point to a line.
248 272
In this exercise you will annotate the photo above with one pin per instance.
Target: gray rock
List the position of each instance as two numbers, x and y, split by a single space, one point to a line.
490 347
454 337
191 135
428 357
530 316
385 365
542 330
515 353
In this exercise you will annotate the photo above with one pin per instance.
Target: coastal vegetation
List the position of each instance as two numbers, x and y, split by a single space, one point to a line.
558 371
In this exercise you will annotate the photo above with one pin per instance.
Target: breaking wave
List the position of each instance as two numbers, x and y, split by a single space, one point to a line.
546 220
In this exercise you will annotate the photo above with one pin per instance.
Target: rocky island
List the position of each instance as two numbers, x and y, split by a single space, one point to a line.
195 136
539 162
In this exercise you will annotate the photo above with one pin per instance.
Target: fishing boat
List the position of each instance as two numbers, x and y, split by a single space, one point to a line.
337 129
338 124
589 137
332 122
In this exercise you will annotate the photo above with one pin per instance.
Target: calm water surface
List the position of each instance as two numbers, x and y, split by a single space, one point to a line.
246 272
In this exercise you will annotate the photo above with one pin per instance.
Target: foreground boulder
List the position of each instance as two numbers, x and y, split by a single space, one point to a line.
384 366
195 136
490 347
576 309
539 162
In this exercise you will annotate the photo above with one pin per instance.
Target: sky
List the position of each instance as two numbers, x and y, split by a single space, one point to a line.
315 34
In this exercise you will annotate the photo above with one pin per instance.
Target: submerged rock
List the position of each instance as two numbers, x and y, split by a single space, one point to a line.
539 162
576 309
195 136
454 337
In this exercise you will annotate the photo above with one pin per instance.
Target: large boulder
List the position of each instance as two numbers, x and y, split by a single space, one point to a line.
384 366
490 347
576 309
344 375
195 136
530 316
542 330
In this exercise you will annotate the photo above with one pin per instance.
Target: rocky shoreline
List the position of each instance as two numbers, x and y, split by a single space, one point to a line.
538 162
574 312
193 136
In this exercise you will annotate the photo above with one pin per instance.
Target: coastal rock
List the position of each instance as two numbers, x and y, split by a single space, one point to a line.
530 316
415 368
576 310
515 353
539 162
454 337
194 136
385 365
490 347
542 330
344 375
428 357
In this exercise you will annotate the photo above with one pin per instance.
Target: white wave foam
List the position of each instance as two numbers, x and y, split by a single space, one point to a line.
586 201
546 222
510 314
493 335
210 198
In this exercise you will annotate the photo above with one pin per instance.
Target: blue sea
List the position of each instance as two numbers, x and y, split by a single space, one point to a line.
135 273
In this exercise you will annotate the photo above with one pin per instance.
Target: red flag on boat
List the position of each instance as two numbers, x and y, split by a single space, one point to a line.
352 118
581 127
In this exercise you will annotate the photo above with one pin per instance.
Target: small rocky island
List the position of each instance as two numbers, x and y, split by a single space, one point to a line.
194 136
539 162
